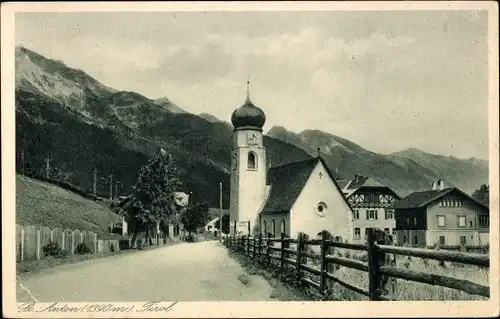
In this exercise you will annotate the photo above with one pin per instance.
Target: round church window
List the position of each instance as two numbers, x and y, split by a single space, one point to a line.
321 209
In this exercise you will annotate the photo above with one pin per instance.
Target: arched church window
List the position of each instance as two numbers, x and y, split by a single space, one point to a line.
252 160
282 226
273 224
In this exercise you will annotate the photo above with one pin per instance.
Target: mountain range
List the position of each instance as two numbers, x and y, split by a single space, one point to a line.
77 124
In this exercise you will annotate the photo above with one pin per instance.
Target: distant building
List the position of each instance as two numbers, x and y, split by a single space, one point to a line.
175 228
298 197
441 216
181 199
370 202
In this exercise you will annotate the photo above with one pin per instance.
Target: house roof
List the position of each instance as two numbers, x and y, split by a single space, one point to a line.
287 182
342 183
364 182
422 199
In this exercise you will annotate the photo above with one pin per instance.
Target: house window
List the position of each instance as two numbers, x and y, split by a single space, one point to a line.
441 221
366 233
405 241
357 233
355 214
442 240
387 230
484 221
372 214
372 198
461 221
283 226
252 161
463 240
209 227
389 214
415 240
265 228
471 224
393 231
415 221
274 228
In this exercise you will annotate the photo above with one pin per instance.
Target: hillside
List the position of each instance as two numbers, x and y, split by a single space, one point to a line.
468 174
405 172
115 132
44 204
81 124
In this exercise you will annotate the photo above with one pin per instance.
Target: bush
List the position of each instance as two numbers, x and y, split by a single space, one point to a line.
83 249
54 250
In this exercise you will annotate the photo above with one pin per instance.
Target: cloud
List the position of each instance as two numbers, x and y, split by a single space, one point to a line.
386 80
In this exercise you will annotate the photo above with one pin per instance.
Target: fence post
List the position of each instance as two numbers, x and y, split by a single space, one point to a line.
299 250
248 245
63 236
268 255
38 244
260 247
282 257
22 243
323 262
372 265
254 247
72 242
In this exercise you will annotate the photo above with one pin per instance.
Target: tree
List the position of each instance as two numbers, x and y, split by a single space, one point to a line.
152 199
195 215
225 224
482 193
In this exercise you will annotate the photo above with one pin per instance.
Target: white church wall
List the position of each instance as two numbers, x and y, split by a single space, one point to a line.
267 224
304 216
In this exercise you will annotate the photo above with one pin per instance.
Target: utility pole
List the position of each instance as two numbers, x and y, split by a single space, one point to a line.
22 163
117 185
95 181
220 205
111 186
47 166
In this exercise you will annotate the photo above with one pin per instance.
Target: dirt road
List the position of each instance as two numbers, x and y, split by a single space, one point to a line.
185 272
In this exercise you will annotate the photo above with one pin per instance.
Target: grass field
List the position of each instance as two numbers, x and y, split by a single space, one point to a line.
409 290
43 204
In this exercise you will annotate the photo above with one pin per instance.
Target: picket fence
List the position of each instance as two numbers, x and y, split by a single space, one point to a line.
380 265
31 239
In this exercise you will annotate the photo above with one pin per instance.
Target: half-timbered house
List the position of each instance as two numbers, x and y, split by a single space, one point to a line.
370 202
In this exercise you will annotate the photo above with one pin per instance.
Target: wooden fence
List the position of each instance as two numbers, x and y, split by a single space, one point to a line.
30 240
380 264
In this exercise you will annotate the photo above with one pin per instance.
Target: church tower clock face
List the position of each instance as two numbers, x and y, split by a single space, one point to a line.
252 138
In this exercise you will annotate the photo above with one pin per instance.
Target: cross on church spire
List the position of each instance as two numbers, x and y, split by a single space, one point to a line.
248 88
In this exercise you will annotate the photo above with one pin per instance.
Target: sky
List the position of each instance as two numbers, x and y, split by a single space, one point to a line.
385 80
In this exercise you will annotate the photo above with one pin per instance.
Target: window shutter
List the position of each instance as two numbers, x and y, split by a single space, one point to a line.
376 214
367 214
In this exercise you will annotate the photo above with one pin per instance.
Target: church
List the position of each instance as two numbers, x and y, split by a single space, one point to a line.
297 197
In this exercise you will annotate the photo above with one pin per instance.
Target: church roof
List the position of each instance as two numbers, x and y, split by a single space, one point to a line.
287 182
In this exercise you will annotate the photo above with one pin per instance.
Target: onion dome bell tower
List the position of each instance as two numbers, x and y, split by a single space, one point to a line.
248 166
